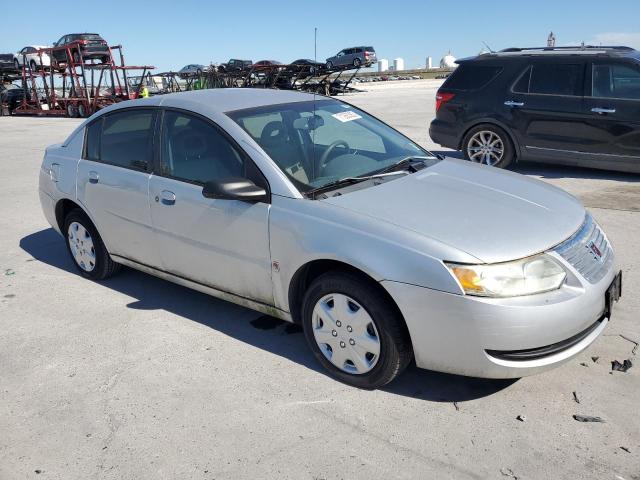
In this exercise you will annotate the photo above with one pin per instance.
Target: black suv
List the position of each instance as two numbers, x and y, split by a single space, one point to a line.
568 105
90 45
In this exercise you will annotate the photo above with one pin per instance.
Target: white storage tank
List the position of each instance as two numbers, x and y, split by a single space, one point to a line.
448 61
383 65
398 64
429 63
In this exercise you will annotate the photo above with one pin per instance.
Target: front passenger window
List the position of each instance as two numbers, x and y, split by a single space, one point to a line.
195 151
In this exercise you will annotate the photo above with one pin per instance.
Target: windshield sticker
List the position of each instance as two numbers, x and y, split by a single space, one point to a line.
346 116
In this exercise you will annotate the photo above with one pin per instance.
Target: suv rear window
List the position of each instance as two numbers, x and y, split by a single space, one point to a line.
471 77
556 79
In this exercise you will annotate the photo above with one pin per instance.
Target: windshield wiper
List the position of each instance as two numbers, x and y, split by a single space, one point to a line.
350 181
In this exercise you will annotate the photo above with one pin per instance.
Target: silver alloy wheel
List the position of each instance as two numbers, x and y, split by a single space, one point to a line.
81 245
485 147
346 334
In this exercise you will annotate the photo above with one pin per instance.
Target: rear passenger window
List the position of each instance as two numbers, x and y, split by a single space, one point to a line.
556 79
522 84
471 77
615 81
123 139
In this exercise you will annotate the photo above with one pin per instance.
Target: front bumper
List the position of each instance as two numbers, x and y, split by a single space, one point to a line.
463 334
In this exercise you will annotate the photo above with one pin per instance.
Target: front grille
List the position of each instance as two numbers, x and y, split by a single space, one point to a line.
588 251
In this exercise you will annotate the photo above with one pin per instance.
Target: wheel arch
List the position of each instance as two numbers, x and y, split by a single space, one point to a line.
62 209
313 269
497 123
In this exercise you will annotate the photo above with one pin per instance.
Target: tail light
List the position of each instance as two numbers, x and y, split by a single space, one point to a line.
442 98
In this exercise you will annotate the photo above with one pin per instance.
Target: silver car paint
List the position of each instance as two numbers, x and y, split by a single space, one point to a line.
393 245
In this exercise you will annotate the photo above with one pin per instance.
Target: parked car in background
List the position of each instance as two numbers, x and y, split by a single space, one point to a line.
28 56
564 105
305 67
266 63
267 198
235 65
191 69
355 56
6 64
88 45
10 95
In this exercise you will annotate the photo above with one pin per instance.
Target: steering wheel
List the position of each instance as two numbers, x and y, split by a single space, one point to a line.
325 156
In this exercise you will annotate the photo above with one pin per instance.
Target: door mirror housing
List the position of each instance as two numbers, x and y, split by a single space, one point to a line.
235 188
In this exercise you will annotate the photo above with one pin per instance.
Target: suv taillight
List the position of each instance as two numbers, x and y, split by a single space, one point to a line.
442 98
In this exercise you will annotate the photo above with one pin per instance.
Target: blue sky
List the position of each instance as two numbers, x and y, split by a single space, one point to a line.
170 34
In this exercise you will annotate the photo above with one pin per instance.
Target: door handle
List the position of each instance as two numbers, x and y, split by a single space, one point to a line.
167 197
511 103
602 111
93 177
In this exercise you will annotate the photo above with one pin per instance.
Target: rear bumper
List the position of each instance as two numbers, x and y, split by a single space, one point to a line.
489 338
444 134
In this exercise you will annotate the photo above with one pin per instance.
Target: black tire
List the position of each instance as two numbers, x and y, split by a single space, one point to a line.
76 57
105 59
508 155
104 267
72 110
357 62
395 345
33 65
82 111
329 65
17 65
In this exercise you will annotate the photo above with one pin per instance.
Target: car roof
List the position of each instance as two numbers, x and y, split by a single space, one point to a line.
221 100
586 50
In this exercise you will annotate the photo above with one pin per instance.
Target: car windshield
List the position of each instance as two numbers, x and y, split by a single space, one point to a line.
316 143
89 36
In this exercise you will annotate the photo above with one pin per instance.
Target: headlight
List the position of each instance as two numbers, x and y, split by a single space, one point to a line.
511 279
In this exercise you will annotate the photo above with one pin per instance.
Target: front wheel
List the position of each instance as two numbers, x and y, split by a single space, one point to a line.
355 332
490 145
329 65
357 62
85 246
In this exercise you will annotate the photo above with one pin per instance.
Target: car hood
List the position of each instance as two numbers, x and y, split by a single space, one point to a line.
491 214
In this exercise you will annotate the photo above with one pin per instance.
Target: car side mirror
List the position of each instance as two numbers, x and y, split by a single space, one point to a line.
235 188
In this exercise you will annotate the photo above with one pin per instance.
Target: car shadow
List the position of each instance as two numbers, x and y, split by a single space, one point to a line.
270 334
550 170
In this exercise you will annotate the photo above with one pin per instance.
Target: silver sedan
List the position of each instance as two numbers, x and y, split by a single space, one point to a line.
313 211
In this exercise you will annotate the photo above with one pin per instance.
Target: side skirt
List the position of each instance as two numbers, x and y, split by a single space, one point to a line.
222 295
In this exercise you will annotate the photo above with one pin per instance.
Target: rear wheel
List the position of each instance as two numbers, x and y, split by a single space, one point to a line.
17 64
76 57
357 62
490 145
82 110
354 332
86 248
33 65
329 65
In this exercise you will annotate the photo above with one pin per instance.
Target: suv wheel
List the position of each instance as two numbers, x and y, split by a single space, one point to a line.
329 65
354 332
86 248
490 145
357 62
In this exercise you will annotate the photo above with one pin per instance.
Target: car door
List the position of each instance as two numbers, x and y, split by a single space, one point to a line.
223 244
113 181
612 105
544 108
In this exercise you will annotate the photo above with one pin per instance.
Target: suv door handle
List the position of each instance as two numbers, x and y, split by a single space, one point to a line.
511 103
167 197
602 111
93 177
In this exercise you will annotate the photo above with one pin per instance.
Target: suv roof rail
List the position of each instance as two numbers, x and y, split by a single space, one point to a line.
578 49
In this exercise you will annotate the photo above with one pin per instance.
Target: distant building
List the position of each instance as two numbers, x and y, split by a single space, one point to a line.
429 63
383 65
398 64
448 61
